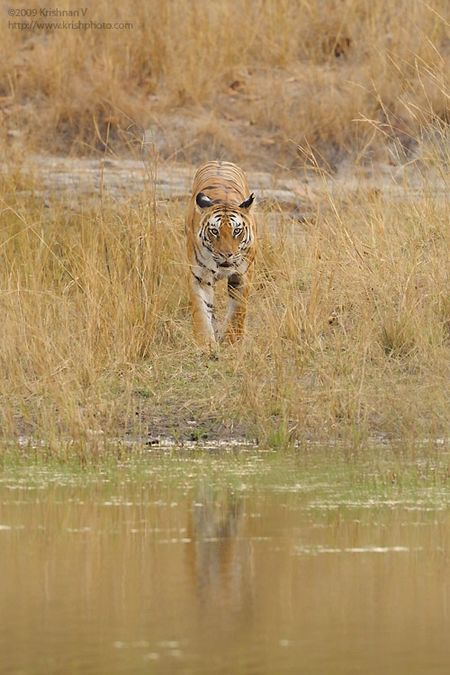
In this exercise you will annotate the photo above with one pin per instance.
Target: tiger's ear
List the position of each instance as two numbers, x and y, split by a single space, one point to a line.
248 202
202 201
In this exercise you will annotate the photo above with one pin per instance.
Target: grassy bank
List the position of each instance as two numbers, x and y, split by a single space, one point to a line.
348 330
249 80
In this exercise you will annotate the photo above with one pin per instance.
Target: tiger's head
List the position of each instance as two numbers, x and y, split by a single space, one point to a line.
225 229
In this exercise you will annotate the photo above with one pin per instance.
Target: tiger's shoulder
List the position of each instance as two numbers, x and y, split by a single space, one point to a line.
222 182
225 175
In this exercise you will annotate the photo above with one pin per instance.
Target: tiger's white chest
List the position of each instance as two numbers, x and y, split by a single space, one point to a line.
226 272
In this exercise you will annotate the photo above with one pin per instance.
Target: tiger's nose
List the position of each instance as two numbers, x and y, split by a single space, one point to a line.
226 255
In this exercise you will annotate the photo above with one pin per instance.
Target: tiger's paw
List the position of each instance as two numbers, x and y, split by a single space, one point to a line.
213 354
208 349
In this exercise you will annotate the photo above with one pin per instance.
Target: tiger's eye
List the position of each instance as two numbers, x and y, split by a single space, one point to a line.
214 231
237 231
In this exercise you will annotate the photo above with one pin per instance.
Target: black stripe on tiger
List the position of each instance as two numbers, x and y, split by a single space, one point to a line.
202 264
196 277
200 280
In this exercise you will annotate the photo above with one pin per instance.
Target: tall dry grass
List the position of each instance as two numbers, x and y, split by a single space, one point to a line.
348 331
253 79
349 320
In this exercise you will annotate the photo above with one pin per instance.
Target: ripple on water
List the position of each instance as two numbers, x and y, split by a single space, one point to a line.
317 550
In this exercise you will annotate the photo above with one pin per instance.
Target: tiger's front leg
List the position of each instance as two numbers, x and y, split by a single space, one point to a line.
238 290
202 304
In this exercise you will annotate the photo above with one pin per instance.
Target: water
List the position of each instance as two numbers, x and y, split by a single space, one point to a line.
234 563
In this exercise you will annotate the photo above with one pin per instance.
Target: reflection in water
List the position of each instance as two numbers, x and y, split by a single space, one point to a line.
218 557
184 576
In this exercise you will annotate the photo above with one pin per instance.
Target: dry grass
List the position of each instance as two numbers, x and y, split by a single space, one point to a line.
248 79
348 334
349 327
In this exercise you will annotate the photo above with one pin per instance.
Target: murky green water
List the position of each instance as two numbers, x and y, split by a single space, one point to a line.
233 563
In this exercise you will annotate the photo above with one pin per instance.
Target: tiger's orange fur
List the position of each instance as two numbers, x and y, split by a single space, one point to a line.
221 244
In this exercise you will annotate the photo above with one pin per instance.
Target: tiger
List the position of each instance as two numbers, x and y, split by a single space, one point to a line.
221 244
